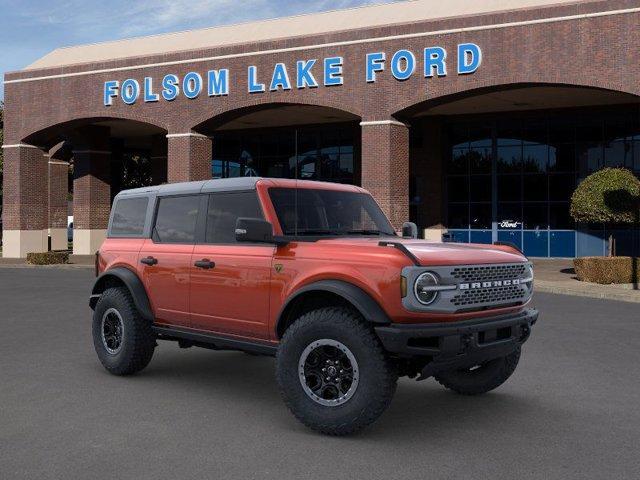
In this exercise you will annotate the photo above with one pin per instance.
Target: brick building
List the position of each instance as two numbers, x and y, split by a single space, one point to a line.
478 118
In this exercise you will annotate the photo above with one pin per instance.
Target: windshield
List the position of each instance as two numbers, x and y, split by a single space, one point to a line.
328 212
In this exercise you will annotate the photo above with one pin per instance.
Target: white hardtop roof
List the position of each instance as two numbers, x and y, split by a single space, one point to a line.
279 28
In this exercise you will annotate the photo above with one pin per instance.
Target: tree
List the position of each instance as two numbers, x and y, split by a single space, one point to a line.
1 142
608 196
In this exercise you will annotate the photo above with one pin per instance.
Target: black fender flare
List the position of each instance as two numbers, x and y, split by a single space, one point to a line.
133 284
370 310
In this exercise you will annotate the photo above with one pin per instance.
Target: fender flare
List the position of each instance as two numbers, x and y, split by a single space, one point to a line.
133 284
356 296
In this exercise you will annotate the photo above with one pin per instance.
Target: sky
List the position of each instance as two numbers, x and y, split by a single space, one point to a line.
30 29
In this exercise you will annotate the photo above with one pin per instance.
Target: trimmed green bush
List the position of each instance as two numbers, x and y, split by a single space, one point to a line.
48 258
607 270
610 195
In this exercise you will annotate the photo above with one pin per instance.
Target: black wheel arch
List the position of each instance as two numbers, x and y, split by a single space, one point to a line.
123 276
325 293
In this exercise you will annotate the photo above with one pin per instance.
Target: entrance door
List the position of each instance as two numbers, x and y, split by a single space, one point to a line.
165 259
230 281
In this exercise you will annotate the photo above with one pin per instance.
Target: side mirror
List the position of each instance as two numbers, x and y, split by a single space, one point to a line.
254 230
409 230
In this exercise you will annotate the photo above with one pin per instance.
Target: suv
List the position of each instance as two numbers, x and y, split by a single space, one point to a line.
313 274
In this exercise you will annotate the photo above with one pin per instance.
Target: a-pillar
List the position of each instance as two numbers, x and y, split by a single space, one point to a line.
385 167
159 159
58 191
24 200
91 190
189 157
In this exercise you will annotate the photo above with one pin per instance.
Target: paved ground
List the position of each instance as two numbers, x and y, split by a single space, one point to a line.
558 276
570 411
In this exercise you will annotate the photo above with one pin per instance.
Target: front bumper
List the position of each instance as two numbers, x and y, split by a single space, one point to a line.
447 346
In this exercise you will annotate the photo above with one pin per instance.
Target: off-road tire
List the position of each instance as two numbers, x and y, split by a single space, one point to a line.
485 378
138 340
377 375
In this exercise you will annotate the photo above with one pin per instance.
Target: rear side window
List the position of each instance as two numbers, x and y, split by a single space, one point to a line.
128 217
176 219
224 209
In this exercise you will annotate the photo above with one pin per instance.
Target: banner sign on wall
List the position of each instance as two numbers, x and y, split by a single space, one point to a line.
309 73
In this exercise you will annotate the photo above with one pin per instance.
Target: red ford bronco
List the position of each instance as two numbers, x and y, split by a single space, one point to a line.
314 274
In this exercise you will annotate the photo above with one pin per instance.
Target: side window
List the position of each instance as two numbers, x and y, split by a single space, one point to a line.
128 217
176 219
224 209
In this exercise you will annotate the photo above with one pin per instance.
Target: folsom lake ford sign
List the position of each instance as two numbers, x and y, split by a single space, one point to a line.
309 73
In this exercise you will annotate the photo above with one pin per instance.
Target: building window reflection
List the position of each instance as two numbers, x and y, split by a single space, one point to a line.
517 181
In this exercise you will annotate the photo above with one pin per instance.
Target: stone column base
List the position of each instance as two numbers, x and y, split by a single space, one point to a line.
87 242
17 243
434 234
58 238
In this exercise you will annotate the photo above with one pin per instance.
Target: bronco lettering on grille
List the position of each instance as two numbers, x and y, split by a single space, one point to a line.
494 283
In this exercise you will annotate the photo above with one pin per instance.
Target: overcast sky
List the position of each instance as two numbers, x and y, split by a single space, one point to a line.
31 28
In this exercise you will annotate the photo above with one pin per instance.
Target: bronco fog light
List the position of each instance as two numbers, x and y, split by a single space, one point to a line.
426 288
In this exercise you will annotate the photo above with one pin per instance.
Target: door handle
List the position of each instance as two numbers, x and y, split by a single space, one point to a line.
205 263
149 261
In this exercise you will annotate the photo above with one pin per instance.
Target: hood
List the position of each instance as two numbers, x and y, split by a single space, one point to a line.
432 254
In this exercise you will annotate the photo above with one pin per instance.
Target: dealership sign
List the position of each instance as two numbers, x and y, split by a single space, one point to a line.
308 73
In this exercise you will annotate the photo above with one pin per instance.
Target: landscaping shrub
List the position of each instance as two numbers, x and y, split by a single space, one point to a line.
48 258
606 270
608 196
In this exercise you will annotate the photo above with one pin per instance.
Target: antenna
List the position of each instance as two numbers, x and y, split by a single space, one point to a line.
295 197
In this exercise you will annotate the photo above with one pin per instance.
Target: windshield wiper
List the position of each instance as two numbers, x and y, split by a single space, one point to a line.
367 232
321 232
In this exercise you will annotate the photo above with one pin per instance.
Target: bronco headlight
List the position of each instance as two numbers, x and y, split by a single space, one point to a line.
426 288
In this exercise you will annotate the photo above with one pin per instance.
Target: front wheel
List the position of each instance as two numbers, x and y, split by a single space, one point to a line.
333 373
480 378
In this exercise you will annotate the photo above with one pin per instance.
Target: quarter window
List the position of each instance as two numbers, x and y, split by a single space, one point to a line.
223 211
128 217
176 219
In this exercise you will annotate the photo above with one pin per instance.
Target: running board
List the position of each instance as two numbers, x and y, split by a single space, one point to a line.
212 341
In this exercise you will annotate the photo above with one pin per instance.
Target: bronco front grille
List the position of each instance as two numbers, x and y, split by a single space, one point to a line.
474 287
494 295
479 273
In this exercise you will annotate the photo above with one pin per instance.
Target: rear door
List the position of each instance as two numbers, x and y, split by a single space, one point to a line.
165 259
230 281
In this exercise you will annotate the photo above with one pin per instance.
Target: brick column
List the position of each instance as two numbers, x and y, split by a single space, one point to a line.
189 157
91 189
159 159
385 167
24 200
58 189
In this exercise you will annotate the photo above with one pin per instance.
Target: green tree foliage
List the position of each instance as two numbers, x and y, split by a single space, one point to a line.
609 196
1 142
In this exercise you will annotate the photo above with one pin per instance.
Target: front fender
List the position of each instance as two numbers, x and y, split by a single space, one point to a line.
133 284
361 300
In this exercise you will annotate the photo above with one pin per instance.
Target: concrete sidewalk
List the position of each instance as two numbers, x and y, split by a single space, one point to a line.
551 276
558 276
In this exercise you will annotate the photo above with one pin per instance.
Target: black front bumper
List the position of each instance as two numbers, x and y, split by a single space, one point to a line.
447 346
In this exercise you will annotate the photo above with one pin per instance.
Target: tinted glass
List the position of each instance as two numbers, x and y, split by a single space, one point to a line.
129 216
176 219
328 212
224 209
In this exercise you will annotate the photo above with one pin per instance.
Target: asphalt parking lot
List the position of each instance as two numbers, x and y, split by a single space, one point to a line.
569 411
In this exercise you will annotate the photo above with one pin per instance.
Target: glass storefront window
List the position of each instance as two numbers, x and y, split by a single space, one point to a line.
324 153
535 160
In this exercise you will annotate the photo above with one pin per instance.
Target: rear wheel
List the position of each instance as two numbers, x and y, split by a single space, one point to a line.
333 373
480 378
122 339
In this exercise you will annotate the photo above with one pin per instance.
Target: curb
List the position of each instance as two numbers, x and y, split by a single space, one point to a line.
631 296
62 266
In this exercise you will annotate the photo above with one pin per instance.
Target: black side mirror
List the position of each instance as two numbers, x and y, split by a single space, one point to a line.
409 230
254 230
